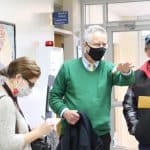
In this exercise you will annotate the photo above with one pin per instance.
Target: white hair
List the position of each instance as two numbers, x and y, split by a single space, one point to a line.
92 29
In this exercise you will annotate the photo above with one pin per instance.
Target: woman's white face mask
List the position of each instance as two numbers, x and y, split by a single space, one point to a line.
23 89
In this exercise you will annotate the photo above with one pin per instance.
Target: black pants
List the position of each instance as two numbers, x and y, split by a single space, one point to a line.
106 139
142 147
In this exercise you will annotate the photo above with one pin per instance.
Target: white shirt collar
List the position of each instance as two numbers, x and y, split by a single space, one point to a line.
87 64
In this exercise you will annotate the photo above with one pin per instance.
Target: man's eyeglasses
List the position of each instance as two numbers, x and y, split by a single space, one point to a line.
31 84
97 44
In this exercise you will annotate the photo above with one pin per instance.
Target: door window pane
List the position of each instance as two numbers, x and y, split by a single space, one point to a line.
129 11
93 14
125 49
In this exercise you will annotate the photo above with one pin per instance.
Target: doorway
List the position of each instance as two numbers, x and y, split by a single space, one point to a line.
59 40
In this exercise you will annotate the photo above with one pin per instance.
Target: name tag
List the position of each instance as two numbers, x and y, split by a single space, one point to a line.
144 102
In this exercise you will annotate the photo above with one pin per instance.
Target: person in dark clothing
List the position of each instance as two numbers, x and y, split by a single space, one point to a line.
136 104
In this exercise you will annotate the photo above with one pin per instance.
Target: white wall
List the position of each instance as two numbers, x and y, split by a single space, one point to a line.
32 23
71 41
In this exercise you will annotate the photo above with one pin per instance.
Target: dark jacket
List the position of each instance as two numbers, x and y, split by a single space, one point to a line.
80 136
137 112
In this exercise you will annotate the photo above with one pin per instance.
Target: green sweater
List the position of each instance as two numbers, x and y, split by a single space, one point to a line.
77 88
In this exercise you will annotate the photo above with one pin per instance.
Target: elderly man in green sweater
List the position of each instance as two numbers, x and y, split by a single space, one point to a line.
85 84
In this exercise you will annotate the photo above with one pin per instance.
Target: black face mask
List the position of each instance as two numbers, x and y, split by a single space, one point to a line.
97 53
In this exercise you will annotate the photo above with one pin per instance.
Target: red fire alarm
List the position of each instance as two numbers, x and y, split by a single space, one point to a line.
49 43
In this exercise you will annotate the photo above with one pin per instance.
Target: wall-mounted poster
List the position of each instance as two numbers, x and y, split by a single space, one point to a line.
7 44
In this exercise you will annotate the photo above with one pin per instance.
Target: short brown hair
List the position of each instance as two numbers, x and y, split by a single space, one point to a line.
25 66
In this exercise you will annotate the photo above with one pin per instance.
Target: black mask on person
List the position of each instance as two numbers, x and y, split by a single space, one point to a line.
97 53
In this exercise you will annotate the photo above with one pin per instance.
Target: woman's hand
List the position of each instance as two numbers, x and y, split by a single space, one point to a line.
44 128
